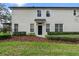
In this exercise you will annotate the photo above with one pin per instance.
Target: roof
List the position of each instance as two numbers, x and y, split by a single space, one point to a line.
43 7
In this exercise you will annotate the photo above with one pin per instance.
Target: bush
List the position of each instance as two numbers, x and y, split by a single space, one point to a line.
62 33
5 35
54 36
19 33
62 38
31 34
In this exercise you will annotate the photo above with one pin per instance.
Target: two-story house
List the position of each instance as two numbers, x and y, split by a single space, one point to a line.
41 20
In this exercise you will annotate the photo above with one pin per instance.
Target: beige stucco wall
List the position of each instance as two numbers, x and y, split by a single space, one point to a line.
25 16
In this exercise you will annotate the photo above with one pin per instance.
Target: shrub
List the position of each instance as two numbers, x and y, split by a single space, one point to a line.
62 38
4 30
62 33
5 35
31 34
54 36
19 33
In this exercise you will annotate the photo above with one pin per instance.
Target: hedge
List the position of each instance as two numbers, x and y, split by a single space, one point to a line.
62 38
19 33
62 33
5 35
31 34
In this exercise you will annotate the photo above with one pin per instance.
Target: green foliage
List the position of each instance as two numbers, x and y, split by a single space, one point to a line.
64 36
69 38
55 36
5 16
31 34
19 33
4 30
62 33
4 35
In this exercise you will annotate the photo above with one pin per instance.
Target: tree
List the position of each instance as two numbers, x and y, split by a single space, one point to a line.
5 17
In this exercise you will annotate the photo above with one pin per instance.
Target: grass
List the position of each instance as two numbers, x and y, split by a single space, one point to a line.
18 48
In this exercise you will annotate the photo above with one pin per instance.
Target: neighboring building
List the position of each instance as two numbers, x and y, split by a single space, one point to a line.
41 20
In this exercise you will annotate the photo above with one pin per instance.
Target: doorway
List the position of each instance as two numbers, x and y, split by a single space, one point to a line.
40 30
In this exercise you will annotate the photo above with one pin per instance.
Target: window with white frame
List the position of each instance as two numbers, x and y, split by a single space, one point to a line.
47 27
74 12
47 14
58 27
38 13
31 27
15 27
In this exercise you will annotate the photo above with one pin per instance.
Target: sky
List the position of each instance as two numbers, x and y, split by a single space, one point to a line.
42 4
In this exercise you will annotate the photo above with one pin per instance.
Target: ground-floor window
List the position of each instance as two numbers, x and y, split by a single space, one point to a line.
47 27
31 27
58 27
15 27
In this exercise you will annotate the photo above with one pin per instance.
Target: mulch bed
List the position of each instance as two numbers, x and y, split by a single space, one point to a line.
25 38
38 39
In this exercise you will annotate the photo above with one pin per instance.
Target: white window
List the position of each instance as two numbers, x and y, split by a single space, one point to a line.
47 14
31 27
38 13
58 27
47 27
74 12
15 27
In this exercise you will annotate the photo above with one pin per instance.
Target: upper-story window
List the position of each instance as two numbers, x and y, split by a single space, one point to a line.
38 13
74 12
47 13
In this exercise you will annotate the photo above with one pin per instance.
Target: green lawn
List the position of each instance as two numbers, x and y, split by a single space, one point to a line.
38 48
